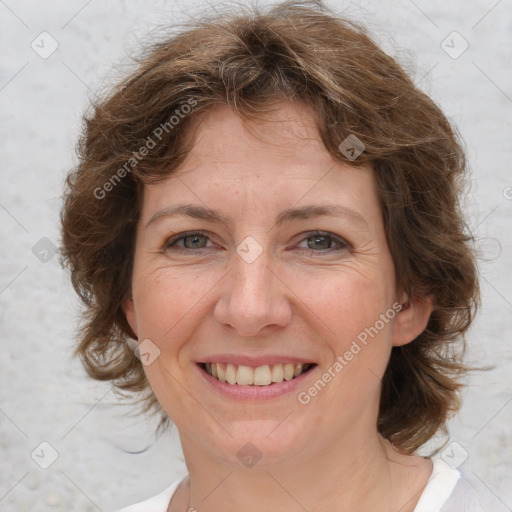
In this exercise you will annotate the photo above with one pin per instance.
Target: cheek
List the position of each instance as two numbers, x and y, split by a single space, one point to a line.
168 300
356 318
348 303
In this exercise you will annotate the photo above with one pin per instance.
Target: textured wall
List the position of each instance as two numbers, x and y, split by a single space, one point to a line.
45 394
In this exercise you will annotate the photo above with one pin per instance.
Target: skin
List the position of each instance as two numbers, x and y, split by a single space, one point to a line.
302 296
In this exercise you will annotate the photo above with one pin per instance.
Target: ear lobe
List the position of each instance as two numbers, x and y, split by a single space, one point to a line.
129 312
412 319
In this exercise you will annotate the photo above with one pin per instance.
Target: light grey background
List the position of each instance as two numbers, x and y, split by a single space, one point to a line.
45 394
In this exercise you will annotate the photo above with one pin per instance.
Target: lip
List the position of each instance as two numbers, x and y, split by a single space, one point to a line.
255 393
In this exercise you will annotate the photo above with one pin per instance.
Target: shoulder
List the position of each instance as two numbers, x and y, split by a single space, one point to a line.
448 491
158 503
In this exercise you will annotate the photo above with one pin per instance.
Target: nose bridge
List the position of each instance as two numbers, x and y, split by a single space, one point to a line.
253 297
252 280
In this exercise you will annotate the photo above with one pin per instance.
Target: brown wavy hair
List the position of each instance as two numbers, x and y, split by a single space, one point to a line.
249 59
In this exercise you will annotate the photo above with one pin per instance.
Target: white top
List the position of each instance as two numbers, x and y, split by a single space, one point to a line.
446 491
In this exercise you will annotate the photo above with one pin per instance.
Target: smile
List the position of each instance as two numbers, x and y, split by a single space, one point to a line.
265 375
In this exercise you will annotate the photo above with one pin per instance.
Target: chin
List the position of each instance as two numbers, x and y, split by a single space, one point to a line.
259 442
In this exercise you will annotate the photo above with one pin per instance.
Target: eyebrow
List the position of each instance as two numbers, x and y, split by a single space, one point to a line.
305 212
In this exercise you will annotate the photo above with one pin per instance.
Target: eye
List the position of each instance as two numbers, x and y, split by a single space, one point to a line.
187 242
317 242
324 242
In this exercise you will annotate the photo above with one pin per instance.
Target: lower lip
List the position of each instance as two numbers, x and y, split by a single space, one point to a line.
253 392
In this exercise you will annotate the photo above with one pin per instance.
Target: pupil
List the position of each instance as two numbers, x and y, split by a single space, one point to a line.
194 241
323 241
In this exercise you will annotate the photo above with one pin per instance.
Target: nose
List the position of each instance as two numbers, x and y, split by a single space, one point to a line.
254 300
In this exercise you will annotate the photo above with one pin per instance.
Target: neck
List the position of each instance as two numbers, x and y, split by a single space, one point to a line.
362 474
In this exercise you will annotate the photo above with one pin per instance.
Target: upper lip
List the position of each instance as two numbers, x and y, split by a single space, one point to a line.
254 361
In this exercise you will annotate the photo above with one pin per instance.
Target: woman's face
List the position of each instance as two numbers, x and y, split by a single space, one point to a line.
259 255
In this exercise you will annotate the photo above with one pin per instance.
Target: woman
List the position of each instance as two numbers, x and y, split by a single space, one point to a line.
269 206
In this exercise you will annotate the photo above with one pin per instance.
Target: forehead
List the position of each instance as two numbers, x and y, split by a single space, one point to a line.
278 160
288 132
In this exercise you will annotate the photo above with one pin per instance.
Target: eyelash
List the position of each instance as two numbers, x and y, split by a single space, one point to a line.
344 245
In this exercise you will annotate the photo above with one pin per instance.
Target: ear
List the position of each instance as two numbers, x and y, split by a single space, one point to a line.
412 319
129 312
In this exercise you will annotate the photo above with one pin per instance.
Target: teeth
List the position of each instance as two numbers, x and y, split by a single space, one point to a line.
231 374
221 372
289 370
277 373
260 376
244 375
